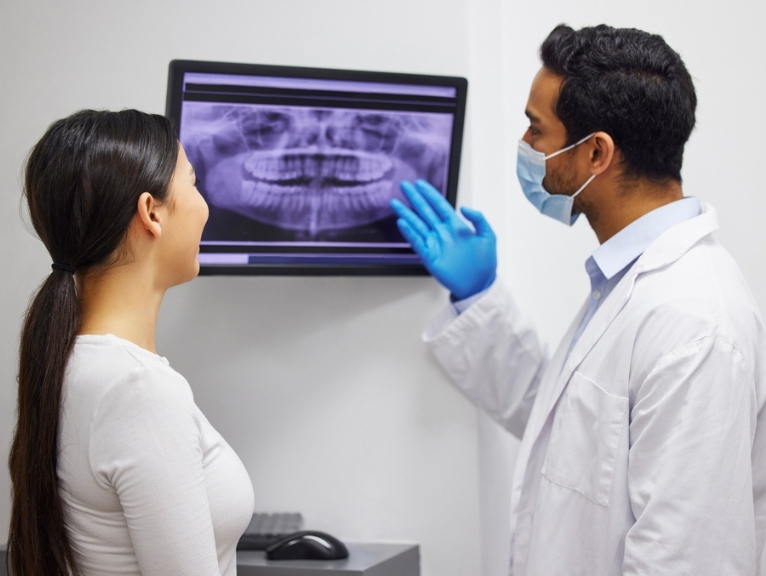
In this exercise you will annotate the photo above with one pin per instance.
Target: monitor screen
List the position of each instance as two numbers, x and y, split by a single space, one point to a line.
298 165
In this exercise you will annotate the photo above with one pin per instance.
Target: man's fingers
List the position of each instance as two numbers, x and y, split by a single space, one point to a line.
479 222
416 241
439 203
413 221
420 204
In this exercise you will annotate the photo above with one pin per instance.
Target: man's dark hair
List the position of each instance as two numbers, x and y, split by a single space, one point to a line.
629 84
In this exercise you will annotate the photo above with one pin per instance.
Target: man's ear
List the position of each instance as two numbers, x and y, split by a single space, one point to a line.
602 152
148 215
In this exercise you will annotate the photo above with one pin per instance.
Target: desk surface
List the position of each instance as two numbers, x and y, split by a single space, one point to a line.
365 559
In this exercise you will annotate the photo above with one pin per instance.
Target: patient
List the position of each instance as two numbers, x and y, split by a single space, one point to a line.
114 468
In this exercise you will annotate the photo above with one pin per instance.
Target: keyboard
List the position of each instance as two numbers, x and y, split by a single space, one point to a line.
265 529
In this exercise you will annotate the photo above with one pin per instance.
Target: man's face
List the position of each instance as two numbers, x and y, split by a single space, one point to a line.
546 133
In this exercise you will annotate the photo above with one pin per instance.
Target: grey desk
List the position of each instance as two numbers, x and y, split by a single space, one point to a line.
364 559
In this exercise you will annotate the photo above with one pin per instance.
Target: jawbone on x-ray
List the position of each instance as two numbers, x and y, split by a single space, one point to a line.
312 169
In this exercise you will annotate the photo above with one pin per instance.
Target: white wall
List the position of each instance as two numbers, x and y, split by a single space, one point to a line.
280 365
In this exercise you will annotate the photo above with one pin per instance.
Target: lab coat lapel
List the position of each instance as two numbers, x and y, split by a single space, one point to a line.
549 385
596 327
560 357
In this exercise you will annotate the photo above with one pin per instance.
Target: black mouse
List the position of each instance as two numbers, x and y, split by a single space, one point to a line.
307 545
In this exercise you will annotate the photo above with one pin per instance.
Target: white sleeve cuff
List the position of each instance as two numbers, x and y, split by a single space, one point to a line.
462 305
451 312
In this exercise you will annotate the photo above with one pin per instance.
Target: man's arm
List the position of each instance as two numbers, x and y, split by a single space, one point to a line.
690 478
493 355
490 352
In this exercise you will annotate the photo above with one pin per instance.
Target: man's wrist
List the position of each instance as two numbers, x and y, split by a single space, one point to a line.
461 305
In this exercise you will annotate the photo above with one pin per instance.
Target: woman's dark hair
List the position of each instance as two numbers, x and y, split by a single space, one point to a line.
82 183
631 85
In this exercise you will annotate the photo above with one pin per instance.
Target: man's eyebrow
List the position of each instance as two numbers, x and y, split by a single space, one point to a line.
531 116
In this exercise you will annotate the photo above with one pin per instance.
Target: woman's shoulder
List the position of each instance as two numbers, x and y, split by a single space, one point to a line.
102 365
114 346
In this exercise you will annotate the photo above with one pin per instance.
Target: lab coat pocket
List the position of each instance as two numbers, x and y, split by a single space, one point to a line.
585 439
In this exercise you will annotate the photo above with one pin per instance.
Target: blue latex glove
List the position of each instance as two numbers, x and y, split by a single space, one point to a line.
461 258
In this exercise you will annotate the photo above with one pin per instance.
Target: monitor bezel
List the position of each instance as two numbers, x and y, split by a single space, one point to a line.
178 68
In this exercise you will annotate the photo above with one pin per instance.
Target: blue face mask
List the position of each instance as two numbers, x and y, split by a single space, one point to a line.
530 168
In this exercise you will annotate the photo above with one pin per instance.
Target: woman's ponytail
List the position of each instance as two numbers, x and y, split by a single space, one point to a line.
37 519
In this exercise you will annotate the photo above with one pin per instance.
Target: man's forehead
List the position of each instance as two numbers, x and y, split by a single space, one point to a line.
543 95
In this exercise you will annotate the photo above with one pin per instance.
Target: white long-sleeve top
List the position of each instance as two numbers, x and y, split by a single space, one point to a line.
643 447
149 487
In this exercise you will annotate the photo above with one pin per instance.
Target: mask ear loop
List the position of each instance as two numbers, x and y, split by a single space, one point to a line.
588 181
570 146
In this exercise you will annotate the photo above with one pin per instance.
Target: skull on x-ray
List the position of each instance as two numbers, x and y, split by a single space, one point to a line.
312 169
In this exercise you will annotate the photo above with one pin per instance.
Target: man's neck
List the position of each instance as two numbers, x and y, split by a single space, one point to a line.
622 205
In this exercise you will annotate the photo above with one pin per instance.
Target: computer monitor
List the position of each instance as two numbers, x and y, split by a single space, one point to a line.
298 165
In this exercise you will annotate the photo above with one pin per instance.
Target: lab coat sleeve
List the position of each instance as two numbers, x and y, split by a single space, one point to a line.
493 355
690 482
146 447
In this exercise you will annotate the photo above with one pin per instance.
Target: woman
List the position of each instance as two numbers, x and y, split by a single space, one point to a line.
114 469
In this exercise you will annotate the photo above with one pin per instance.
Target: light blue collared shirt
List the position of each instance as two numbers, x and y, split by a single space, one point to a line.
612 260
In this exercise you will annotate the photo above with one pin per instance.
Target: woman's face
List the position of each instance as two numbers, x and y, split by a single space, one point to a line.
187 214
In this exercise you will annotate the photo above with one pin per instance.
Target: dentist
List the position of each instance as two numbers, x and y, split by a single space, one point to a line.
643 438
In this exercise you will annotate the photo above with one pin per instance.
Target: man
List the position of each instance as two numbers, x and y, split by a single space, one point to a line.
644 436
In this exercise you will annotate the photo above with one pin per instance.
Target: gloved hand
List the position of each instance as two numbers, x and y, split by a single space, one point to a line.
461 258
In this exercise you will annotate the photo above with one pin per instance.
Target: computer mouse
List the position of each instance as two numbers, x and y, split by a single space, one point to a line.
307 545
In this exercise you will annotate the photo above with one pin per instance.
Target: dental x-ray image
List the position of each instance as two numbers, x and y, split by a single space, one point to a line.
311 174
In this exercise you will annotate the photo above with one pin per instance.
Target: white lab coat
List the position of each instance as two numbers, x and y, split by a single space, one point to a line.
644 448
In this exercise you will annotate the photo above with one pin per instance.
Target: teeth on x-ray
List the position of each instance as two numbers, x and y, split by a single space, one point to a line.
312 169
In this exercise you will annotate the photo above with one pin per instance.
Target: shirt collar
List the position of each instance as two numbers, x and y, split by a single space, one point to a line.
630 242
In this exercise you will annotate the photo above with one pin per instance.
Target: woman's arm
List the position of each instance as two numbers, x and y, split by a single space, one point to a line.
145 445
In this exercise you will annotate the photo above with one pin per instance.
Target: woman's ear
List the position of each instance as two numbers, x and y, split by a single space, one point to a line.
149 215
602 152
